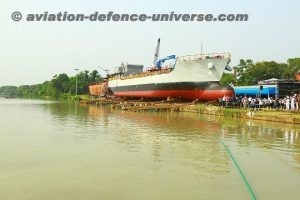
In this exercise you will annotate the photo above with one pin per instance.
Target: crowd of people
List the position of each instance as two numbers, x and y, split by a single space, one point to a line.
288 102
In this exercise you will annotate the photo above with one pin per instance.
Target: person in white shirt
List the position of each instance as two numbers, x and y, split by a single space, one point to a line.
293 103
297 97
287 103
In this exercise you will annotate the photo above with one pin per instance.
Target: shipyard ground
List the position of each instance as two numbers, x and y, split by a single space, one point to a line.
209 108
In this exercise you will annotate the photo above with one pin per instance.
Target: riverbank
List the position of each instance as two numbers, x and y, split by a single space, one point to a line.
201 108
138 105
263 114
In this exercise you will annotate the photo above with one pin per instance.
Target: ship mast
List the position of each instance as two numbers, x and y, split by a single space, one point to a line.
156 52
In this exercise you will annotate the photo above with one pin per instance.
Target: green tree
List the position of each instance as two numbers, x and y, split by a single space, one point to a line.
61 82
242 77
249 73
95 77
266 70
292 69
82 82
228 79
8 90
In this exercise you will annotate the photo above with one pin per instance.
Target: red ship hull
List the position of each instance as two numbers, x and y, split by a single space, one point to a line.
184 94
191 91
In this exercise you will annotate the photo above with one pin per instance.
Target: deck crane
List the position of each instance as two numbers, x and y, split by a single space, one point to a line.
156 54
159 62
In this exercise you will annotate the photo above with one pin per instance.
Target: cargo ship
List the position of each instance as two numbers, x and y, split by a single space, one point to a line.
193 77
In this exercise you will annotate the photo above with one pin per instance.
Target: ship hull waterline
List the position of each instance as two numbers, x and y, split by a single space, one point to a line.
190 91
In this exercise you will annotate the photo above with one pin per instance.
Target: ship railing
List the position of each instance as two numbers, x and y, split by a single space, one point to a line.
203 56
149 72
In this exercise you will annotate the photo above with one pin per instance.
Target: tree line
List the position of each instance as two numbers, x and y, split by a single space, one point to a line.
249 73
60 86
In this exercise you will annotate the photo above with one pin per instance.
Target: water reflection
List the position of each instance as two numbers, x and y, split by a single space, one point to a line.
140 155
131 129
179 136
283 138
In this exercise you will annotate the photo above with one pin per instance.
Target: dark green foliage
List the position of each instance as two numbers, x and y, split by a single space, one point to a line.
61 86
8 90
228 79
249 73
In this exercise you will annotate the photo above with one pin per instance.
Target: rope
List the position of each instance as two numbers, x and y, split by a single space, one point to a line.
253 197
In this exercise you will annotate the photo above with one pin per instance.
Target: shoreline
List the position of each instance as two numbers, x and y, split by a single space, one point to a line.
282 116
291 117
244 113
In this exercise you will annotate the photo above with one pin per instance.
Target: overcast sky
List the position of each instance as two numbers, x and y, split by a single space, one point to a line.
32 52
